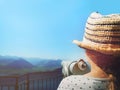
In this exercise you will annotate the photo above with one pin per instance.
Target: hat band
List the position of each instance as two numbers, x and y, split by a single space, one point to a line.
104 24
113 30
105 36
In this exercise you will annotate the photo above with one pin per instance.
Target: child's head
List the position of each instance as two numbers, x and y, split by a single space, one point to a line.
102 43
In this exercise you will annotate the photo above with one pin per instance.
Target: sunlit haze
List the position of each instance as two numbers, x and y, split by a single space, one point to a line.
46 28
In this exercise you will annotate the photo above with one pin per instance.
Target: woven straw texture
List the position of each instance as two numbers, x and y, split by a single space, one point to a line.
102 34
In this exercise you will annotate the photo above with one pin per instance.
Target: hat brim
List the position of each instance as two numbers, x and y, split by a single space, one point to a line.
102 48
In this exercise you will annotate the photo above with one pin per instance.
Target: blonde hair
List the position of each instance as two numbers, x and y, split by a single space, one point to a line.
112 86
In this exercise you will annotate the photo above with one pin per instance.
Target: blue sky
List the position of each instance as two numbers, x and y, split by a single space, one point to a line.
46 28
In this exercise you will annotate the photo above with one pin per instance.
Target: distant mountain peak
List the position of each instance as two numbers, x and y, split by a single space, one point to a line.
20 63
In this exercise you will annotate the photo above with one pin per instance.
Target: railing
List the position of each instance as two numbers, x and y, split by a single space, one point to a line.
32 81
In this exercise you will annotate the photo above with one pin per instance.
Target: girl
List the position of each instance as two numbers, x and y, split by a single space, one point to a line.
102 45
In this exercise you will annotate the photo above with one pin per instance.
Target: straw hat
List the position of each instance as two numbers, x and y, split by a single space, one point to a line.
102 34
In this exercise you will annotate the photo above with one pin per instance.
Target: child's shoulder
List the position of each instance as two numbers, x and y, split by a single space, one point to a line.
81 82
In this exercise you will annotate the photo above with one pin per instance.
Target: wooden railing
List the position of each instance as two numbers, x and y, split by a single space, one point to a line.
32 81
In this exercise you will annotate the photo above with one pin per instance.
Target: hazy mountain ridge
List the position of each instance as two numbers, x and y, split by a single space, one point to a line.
45 64
4 60
18 65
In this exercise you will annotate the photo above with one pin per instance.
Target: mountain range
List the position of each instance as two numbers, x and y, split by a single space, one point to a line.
20 65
